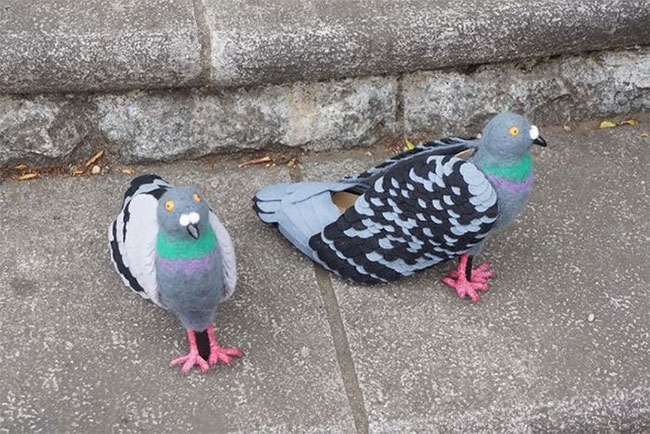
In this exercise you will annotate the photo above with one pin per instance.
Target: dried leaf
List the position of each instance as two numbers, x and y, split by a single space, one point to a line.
409 145
27 176
94 158
645 135
21 167
128 171
607 124
262 160
77 172
291 162
632 122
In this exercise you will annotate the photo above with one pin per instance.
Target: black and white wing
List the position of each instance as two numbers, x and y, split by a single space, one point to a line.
446 146
132 236
227 249
412 217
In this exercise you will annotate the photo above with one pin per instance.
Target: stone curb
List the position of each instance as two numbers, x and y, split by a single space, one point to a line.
165 125
187 43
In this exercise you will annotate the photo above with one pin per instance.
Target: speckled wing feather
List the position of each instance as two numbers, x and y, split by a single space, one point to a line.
132 236
446 146
413 216
224 243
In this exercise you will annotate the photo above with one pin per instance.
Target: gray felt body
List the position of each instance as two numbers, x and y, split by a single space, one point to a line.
193 295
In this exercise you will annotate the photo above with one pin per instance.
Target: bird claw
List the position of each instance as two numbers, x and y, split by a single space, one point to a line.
464 288
225 355
480 274
478 281
193 358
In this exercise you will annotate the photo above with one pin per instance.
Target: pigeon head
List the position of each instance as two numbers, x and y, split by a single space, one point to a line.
509 135
182 213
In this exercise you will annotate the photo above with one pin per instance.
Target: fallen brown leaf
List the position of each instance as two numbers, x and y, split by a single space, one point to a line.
262 160
645 135
128 171
21 167
77 172
94 158
291 162
632 122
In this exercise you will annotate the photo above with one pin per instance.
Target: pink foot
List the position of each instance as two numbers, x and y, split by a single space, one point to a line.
480 274
193 358
189 361
478 280
218 353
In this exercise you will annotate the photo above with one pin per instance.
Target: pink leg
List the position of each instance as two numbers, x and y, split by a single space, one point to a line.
217 352
192 357
457 279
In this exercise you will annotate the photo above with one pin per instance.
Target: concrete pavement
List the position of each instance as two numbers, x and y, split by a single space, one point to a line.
559 343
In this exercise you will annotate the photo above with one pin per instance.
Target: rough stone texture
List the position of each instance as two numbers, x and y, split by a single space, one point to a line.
145 126
315 116
44 128
165 125
257 42
67 45
551 92
526 358
82 353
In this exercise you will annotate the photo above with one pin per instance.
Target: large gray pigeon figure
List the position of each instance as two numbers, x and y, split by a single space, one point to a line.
169 247
423 207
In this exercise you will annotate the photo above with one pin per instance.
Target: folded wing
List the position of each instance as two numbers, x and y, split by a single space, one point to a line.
132 236
413 215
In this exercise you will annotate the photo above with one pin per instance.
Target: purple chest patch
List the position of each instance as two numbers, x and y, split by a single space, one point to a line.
190 266
511 186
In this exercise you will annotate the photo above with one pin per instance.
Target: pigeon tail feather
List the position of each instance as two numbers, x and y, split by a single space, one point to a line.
299 210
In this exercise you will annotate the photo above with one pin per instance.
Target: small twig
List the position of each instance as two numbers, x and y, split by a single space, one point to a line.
94 158
262 160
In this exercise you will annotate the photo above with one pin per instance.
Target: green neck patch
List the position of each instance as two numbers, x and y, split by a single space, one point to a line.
172 248
518 171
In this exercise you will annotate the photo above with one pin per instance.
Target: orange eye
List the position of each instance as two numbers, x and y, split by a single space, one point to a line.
514 131
197 197
169 205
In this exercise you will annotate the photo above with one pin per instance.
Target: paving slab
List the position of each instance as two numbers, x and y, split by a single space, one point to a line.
560 343
81 353
255 42
67 45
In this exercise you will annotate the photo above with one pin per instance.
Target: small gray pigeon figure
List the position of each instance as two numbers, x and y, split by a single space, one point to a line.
169 247
423 207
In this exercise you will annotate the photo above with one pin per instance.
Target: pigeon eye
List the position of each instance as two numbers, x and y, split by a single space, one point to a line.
197 197
169 205
514 131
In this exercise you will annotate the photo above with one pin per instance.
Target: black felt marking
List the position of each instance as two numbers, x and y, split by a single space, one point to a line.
446 146
139 182
121 267
157 193
468 269
203 344
396 220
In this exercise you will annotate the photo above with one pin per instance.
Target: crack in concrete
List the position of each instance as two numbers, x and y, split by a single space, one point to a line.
340 339
205 40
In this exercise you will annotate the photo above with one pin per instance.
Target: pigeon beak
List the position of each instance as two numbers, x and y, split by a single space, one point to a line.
539 141
193 230
534 135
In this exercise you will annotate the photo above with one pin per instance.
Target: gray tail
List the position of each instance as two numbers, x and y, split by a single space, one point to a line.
299 210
